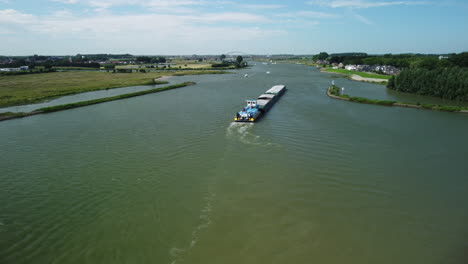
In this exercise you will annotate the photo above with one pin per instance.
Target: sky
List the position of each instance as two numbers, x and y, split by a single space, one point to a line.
186 27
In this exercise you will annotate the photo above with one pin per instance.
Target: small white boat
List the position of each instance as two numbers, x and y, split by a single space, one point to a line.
246 75
267 72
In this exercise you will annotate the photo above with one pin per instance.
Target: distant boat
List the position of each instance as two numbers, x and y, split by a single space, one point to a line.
246 75
267 72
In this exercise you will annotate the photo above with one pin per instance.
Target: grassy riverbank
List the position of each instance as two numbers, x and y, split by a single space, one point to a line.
334 92
373 77
10 115
27 89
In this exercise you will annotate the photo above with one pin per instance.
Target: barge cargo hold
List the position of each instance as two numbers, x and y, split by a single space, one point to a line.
256 108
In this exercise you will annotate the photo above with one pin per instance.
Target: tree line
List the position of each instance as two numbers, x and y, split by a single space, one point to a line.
428 61
445 82
238 63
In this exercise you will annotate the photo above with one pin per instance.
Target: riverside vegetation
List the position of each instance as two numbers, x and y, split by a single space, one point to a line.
334 92
448 83
349 73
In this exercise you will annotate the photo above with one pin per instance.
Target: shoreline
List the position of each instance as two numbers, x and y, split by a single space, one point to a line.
51 109
393 103
163 78
49 87
357 78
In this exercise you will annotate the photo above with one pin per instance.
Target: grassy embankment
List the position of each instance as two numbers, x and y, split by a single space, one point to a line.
10 115
362 74
33 88
334 92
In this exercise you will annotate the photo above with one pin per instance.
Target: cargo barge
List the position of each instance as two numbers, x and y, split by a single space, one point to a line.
256 108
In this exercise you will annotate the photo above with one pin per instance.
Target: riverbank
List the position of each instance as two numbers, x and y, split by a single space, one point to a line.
334 92
359 76
34 88
9 115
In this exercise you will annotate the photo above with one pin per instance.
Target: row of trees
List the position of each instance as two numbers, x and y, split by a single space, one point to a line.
146 59
400 60
238 63
449 83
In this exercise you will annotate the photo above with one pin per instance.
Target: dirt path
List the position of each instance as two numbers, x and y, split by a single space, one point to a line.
363 79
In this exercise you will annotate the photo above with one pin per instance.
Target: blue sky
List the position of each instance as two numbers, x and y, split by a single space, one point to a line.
62 27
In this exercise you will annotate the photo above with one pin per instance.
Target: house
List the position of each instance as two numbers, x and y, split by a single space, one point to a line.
351 67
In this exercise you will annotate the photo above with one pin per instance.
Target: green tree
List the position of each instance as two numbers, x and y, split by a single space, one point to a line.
143 59
321 56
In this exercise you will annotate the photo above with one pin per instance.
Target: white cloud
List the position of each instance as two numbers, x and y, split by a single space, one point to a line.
362 19
11 16
361 3
308 14
179 6
147 3
229 17
162 32
66 1
272 6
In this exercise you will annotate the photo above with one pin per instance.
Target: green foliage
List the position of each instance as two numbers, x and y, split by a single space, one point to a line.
334 90
449 83
460 60
143 59
402 60
7 114
109 66
321 56
158 60
224 64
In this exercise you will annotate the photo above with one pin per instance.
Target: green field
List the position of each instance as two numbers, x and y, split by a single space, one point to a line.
362 74
26 89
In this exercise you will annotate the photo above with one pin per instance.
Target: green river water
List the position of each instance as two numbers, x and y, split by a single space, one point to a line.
168 178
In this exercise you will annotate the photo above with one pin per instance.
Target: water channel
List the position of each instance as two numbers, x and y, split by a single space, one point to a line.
168 178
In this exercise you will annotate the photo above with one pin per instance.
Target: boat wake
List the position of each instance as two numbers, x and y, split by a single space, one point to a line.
243 132
179 253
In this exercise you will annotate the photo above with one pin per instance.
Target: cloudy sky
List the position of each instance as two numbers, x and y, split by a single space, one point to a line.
62 27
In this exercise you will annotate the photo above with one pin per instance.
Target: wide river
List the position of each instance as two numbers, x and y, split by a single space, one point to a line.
167 178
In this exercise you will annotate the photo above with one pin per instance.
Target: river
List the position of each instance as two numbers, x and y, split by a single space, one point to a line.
168 178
